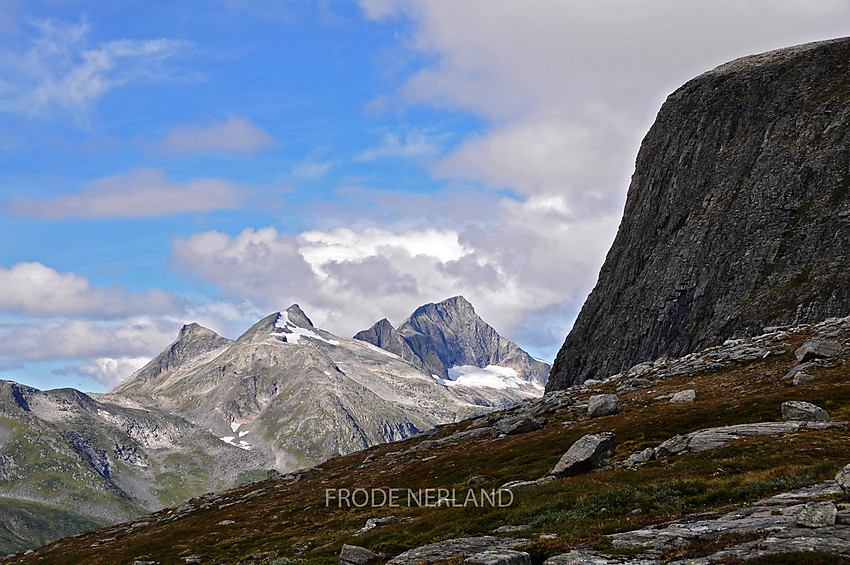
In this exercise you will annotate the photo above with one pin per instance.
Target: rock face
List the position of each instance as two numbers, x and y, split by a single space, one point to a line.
450 341
737 216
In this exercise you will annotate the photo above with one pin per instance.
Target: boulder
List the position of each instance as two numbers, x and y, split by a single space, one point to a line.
684 397
603 405
797 410
356 555
817 348
843 479
801 378
499 557
373 523
518 425
585 454
817 515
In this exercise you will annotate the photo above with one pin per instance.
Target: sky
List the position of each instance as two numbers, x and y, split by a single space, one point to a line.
215 161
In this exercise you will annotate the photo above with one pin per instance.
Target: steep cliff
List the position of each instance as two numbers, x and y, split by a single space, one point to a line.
737 216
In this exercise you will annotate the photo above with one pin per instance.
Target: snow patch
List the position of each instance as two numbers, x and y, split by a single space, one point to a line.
491 376
243 433
241 445
295 333
234 426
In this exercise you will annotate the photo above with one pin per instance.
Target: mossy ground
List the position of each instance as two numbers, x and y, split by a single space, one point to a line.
294 521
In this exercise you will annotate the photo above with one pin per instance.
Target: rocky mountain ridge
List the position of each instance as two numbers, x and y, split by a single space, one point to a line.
737 215
449 340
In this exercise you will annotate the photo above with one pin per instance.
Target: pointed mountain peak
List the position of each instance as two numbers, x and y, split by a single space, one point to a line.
297 316
194 331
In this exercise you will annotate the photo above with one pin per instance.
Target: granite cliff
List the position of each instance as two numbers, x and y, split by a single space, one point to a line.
737 216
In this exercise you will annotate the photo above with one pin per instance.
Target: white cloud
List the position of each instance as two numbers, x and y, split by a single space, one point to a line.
512 267
142 193
83 340
60 71
311 169
235 134
413 144
38 290
108 371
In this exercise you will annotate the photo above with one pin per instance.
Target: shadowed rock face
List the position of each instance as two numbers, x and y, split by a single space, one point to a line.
737 216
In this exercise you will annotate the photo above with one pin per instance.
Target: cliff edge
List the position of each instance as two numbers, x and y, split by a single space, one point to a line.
737 215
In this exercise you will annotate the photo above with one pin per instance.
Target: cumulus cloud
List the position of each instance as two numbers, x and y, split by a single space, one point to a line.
38 290
84 340
108 371
233 135
60 71
142 193
515 265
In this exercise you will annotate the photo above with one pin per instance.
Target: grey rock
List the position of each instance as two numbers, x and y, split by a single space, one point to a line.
456 547
518 425
643 456
499 557
520 485
806 411
674 446
684 397
817 515
373 523
510 529
817 348
356 555
796 369
475 480
603 405
733 213
843 480
801 378
585 454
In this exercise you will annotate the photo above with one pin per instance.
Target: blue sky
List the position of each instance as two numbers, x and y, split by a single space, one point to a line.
163 163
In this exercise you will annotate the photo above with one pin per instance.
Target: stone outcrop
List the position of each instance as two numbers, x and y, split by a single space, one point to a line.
585 454
805 411
737 216
603 405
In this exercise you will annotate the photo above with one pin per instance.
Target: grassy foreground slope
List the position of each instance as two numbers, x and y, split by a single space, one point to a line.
283 519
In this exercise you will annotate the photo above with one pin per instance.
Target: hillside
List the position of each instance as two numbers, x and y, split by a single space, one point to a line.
737 216
685 482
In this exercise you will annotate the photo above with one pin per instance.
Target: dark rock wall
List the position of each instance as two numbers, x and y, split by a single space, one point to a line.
737 216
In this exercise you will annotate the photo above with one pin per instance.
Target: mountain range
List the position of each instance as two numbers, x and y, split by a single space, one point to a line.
210 412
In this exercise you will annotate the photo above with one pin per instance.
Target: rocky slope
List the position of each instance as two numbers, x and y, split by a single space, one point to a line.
450 341
737 216
69 462
708 458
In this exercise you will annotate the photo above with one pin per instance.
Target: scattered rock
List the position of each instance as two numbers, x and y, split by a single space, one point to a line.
475 480
510 529
817 515
373 523
518 425
797 369
226 522
356 555
684 397
647 454
496 557
455 547
843 480
592 382
369 458
797 410
603 405
801 378
519 485
817 348
585 454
